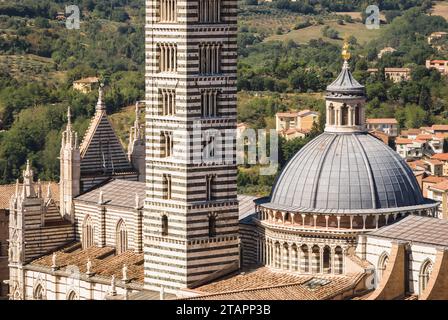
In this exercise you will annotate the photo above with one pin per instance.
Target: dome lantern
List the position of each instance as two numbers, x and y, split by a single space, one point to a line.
345 100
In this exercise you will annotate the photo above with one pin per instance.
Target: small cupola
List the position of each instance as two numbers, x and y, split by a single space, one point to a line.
345 101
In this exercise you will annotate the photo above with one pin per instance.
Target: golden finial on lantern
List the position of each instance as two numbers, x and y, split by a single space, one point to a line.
346 55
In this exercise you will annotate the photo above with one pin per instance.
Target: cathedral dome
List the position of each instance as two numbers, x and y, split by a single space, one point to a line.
346 172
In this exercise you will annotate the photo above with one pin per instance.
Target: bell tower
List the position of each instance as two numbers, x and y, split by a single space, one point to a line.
345 101
191 207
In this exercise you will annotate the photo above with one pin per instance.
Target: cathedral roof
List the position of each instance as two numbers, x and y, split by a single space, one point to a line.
416 229
345 84
120 193
105 263
264 284
101 150
346 173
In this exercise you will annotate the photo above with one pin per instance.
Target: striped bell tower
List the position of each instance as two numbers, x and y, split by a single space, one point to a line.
191 207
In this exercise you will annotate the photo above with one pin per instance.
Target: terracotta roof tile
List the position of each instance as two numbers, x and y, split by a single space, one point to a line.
442 186
265 284
434 179
104 261
440 127
7 191
382 120
401 140
440 156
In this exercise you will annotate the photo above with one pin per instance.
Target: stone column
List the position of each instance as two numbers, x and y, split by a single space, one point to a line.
332 259
321 257
350 115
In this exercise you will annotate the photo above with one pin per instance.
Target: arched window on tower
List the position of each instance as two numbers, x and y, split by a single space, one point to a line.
209 103
121 237
87 233
212 225
164 225
168 11
425 273
209 58
167 56
209 182
168 101
209 11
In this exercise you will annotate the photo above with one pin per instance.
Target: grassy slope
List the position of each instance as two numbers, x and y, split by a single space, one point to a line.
441 9
356 29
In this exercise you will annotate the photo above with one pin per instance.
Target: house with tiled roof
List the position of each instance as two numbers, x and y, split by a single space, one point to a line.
295 124
85 85
439 65
439 192
397 74
430 181
443 157
387 125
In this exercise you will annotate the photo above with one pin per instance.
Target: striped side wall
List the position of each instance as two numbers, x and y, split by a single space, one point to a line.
249 244
37 235
187 254
111 217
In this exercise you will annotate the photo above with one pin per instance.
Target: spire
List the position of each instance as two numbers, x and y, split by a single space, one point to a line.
28 174
69 119
346 84
100 105
39 189
137 201
101 197
136 124
17 188
49 195
113 290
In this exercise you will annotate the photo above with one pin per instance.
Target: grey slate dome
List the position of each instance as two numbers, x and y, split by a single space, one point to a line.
346 84
353 171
